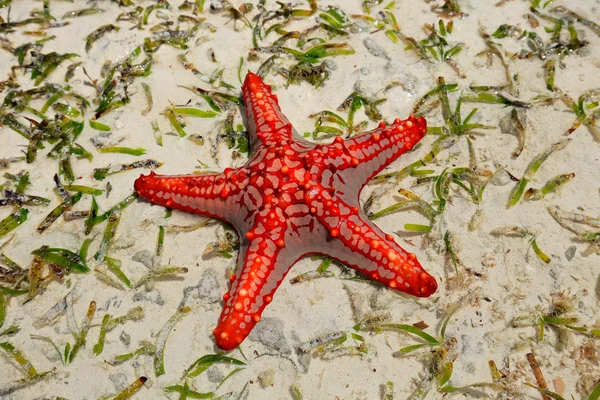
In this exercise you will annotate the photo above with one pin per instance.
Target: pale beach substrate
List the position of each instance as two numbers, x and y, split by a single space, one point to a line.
513 281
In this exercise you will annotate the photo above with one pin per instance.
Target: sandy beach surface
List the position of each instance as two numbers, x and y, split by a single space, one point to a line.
511 93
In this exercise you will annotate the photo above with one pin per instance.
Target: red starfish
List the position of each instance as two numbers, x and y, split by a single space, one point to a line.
294 198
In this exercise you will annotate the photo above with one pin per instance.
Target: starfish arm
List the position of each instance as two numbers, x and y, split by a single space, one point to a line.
213 195
358 159
262 265
266 123
361 245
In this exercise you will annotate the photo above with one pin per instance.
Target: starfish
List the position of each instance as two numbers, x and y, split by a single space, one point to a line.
294 198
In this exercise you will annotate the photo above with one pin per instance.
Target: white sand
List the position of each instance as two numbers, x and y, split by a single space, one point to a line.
513 281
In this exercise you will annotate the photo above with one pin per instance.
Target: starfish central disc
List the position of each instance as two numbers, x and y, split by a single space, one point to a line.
294 198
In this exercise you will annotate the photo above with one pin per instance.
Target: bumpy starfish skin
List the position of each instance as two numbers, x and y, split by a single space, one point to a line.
291 199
